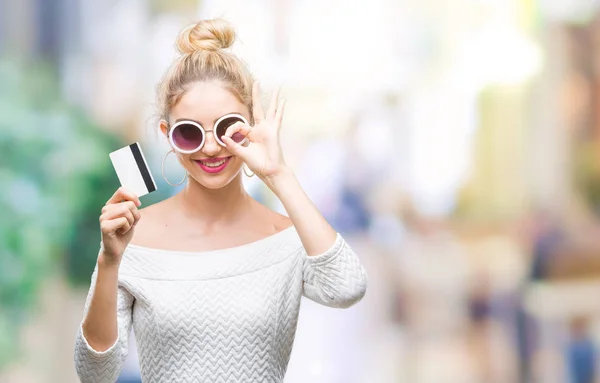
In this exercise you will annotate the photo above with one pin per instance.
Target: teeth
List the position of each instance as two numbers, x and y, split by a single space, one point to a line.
213 164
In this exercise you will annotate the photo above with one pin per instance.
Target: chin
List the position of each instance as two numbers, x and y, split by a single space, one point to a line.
216 181
213 183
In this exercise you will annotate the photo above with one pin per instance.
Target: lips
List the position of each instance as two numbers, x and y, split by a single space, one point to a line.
213 165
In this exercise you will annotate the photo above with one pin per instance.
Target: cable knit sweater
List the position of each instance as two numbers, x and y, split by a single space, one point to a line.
219 316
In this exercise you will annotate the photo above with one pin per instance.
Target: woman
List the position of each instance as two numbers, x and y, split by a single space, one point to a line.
210 279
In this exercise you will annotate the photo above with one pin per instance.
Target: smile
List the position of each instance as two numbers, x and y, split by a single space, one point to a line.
213 165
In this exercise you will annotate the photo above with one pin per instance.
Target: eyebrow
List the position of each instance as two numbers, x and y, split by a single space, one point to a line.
197 122
188 119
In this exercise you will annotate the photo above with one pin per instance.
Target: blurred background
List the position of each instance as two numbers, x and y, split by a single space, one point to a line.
456 145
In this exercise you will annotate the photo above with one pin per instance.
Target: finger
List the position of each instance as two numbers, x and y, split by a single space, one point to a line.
235 148
257 110
124 194
125 227
238 127
132 211
120 210
274 102
128 215
120 195
239 133
117 209
136 215
279 113
112 226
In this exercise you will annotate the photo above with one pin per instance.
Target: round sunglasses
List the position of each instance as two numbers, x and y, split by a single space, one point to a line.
188 136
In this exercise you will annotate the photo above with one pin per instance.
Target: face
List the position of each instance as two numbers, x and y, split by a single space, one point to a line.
213 166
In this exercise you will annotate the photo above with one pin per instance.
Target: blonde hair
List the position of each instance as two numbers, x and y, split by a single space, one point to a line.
204 58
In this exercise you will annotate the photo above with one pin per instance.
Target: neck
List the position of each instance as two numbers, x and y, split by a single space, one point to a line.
213 205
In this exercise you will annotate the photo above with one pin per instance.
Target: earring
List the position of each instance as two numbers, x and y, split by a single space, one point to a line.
247 170
163 170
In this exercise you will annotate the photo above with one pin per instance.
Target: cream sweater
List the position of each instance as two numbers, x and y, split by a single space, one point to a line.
219 316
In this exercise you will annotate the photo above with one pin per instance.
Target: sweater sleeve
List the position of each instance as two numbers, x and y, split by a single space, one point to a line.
335 278
104 367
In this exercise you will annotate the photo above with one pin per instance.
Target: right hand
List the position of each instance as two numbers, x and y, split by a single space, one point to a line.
117 223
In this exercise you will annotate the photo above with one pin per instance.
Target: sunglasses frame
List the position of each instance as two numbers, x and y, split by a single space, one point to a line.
204 132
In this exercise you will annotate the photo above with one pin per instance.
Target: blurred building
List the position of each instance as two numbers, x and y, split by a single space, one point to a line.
470 111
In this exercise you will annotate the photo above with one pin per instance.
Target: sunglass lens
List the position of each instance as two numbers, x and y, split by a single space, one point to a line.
221 129
187 137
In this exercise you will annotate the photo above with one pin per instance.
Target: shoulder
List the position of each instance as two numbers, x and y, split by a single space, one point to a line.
151 223
280 221
155 210
270 218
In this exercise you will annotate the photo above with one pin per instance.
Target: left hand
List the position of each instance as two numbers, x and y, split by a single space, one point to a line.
263 152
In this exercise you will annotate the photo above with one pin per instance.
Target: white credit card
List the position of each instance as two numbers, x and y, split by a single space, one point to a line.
133 172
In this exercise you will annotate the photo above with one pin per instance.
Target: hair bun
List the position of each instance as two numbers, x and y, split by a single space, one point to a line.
206 35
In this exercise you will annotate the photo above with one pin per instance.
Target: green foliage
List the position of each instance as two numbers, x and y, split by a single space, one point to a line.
55 176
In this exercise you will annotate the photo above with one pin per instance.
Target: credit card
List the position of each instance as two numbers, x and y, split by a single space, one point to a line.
132 169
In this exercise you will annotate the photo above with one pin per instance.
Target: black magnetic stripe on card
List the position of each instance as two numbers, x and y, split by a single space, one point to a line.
135 150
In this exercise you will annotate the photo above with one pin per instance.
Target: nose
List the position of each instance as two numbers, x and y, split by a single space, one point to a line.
211 146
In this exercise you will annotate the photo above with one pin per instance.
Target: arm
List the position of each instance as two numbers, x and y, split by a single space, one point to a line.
102 340
315 232
332 273
101 344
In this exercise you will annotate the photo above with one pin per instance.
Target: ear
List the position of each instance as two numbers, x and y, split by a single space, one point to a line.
164 127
